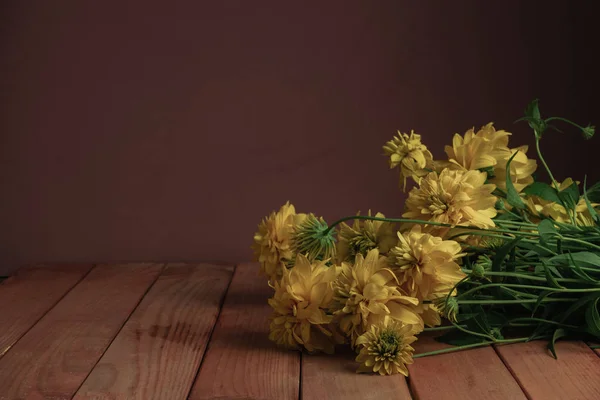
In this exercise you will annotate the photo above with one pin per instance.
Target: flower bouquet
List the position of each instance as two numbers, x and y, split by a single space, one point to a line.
484 253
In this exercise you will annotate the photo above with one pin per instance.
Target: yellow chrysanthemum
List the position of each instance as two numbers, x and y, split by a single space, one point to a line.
545 208
453 197
366 292
422 262
410 154
426 268
300 301
479 150
521 169
488 150
365 235
273 241
386 348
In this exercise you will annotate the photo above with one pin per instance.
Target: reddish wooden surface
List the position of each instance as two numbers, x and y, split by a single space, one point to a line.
55 356
27 295
470 374
157 353
334 377
575 375
241 362
131 332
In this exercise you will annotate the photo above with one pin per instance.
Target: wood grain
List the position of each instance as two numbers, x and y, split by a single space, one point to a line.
575 375
334 377
53 359
241 362
157 353
27 295
468 374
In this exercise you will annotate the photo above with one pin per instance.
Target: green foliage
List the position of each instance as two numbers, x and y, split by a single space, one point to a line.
512 196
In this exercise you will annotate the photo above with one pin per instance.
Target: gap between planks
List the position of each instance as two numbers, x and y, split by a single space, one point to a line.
30 293
574 375
53 358
240 361
158 351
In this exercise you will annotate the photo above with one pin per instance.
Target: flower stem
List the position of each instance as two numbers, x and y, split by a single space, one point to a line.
483 302
468 346
440 328
423 222
528 277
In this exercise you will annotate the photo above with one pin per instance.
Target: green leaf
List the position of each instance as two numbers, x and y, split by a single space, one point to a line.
549 277
512 196
578 304
559 333
590 208
502 252
570 196
547 231
534 118
594 193
543 191
539 301
582 258
592 318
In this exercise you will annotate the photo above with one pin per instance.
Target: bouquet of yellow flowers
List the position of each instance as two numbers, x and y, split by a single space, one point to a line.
483 252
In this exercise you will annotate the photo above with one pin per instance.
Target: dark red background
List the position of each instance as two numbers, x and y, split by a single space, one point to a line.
155 130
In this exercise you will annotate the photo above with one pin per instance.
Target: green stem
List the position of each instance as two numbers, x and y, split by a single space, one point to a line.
440 328
545 300
564 120
517 285
468 346
554 182
422 222
581 242
541 320
529 277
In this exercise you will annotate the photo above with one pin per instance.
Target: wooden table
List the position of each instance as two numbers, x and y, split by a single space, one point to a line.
199 331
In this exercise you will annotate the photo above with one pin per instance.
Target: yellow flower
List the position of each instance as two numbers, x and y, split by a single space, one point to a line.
386 348
300 301
453 197
477 150
545 208
273 241
488 150
426 268
521 169
422 262
366 292
365 235
410 154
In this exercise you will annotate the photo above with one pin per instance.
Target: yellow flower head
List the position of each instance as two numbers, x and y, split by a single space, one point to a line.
410 154
488 150
479 150
386 348
424 263
273 241
549 209
364 236
453 197
366 292
521 169
300 301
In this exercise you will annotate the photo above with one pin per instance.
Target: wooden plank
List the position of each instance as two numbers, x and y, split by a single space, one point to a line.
334 377
27 295
53 359
575 375
469 374
241 362
157 353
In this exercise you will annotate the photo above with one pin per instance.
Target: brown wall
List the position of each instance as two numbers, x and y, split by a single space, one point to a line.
157 130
